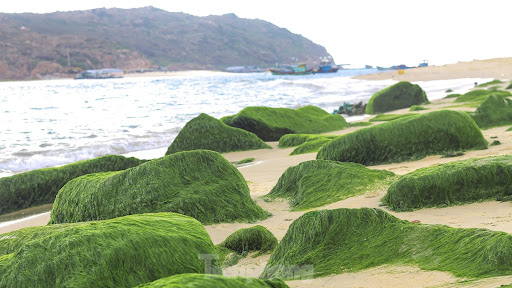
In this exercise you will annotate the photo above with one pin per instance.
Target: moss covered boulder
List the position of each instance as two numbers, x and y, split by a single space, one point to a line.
256 238
213 281
453 183
40 186
494 111
201 184
406 138
400 95
121 252
316 183
270 124
306 143
480 95
208 133
321 243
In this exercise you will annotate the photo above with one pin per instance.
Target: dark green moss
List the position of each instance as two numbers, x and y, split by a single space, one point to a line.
321 243
391 117
316 183
406 138
40 186
121 252
256 238
494 111
208 133
453 183
270 124
400 95
292 140
200 183
213 281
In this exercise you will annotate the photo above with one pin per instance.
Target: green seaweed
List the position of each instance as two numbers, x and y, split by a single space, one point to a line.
391 117
454 95
208 133
360 124
480 95
292 140
121 252
494 111
400 95
493 82
311 146
256 238
326 242
454 183
244 161
406 138
40 186
200 183
270 124
417 108
316 183
213 281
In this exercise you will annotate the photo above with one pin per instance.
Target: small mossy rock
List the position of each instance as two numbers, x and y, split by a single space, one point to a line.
400 95
201 184
406 138
319 182
207 133
270 124
495 111
213 281
458 182
121 252
256 238
326 242
40 186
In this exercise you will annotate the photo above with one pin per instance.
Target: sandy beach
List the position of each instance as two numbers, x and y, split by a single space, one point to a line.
269 165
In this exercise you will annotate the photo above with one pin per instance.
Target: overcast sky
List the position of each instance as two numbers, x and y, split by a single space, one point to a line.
356 32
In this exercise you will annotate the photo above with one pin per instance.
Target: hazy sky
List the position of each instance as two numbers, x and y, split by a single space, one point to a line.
357 32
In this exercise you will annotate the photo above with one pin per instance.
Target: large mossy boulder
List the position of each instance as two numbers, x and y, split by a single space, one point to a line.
270 124
406 138
495 111
201 184
453 183
400 95
326 242
40 186
208 133
213 281
316 183
121 252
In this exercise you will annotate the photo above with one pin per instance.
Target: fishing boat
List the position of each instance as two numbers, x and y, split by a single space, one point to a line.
326 66
300 69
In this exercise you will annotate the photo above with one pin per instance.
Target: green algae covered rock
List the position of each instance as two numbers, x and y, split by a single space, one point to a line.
326 242
400 95
208 133
316 183
480 95
306 143
213 281
201 184
453 183
256 238
495 111
121 252
406 138
270 124
40 186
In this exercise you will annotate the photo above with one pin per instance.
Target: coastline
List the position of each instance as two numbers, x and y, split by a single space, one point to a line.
271 163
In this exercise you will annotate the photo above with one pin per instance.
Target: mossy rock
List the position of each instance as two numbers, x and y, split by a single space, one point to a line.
121 252
391 117
493 82
495 111
201 184
326 242
417 108
453 183
317 183
311 146
480 95
256 238
270 124
406 138
213 281
292 140
40 186
207 133
400 95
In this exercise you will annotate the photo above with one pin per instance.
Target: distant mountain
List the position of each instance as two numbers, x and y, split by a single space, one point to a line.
34 45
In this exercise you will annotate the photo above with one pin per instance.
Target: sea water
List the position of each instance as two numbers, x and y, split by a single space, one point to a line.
56 122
